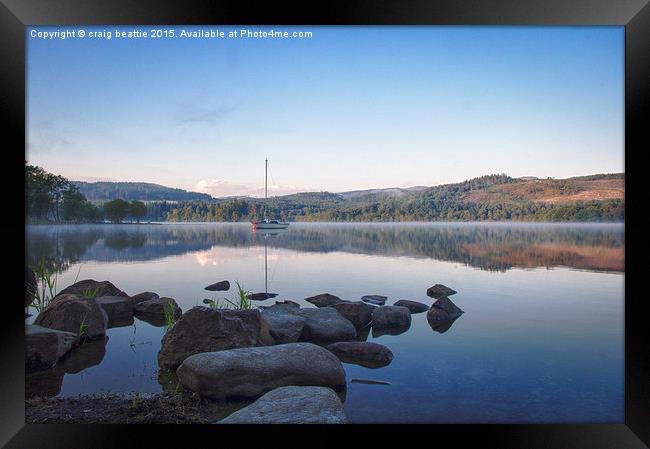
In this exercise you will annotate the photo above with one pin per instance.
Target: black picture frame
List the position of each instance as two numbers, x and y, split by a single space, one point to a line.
15 15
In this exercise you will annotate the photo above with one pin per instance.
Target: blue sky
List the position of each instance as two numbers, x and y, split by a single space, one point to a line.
349 108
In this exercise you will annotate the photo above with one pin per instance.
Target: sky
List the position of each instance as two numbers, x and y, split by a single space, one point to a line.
348 108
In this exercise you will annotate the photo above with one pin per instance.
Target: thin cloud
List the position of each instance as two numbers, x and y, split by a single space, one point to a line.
219 188
196 113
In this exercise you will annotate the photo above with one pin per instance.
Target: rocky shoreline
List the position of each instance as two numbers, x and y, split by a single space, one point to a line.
284 357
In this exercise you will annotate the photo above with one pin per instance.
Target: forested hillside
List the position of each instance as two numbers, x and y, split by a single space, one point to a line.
141 191
491 197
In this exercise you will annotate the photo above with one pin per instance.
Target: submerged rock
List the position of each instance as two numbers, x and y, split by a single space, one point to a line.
326 325
119 309
154 310
440 291
251 372
392 320
443 310
292 405
76 314
218 286
44 347
205 329
369 382
49 382
31 286
91 287
324 300
375 299
261 296
368 354
285 325
441 326
413 306
144 296
357 312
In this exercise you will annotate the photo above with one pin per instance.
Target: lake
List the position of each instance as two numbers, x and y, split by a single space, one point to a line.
541 339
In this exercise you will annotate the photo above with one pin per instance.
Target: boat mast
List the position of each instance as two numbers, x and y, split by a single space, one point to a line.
266 177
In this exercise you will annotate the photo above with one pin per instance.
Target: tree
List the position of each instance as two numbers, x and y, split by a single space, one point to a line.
137 210
116 210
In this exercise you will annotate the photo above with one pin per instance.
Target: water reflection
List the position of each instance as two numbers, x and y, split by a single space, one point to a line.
493 247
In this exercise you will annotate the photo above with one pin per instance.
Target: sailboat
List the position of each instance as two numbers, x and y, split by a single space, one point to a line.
266 223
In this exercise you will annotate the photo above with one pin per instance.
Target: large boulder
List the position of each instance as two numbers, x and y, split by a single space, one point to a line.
357 312
44 347
377 300
154 310
205 329
31 286
392 320
326 325
285 325
144 296
440 291
119 309
90 287
76 314
218 286
292 405
324 300
368 354
443 310
251 372
413 306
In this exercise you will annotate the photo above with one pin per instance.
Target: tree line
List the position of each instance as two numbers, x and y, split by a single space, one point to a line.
53 198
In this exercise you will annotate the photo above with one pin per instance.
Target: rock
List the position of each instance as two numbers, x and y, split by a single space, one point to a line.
218 286
154 309
440 291
91 353
205 329
44 347
323 300
413 306
31 286
118 309
392 320
90 287
49 382
144 296
289 302
443 310
292 405
284 324
374 299
326 325
261 296
251 372
68 312
368 354
441 326
357 312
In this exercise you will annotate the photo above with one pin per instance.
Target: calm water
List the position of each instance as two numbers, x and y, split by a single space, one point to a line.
541 339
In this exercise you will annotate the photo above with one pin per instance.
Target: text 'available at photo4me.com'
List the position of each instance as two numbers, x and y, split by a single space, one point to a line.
168 33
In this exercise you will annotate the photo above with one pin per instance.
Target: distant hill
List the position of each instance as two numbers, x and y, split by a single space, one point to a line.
142 191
